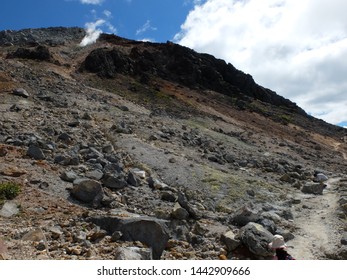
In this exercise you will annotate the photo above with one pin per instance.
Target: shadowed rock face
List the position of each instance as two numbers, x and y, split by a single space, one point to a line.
176 63
39 53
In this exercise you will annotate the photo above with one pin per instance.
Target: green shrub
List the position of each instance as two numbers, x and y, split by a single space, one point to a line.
9 190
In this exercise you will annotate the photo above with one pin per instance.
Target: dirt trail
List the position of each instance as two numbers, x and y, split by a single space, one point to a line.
317 223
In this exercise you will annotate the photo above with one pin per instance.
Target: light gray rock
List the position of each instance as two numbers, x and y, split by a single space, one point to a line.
313 188
244 215
256 238
68 176
230 240
95 174
21 92
9 209
320 177
133 253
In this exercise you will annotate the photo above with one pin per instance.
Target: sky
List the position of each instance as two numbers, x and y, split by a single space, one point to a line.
296 48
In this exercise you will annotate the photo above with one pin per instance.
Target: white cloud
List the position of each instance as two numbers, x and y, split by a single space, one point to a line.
147 26
297 48
92 2
107 13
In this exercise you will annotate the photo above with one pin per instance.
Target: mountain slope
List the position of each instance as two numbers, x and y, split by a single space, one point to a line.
165 134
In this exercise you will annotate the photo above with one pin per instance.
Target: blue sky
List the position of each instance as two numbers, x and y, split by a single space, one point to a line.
296 48
158 20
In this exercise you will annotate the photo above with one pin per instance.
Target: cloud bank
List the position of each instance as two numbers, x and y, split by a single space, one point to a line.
297 48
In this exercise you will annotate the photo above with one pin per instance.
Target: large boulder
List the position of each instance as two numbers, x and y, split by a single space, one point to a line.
150 231
87 190
313 188
244 215
256 238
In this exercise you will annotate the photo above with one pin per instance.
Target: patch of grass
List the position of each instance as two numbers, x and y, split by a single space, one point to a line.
9 190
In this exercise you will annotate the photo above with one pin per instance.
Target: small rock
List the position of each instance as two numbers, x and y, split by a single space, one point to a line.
21 92
116 236
179 213
320 177
230 240
9 209
114 182
168 196
313 188
244 215
133 180
35 153
88 190
133 253
35 235
68 176
3 151
95 174
344 239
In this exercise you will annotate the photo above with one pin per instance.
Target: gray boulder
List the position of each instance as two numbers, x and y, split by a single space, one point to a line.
313 188
114 181
21 92
256 238
179 213
68 176
35 153
183 201
320 177
150 231
244 215
230 240
133 253
95 174
88 190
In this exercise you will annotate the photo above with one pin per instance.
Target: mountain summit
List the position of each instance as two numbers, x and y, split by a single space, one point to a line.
136 150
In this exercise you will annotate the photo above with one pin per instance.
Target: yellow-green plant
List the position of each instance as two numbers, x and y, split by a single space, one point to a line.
9 190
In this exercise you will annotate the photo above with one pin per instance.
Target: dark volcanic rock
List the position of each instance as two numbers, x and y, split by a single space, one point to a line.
313 188
150 231
183 65
256 238
52 36
88 190
35 153
39 53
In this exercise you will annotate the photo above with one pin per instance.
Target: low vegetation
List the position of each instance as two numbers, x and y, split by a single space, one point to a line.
9 190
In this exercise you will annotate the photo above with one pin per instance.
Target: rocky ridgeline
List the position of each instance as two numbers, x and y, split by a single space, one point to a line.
53 36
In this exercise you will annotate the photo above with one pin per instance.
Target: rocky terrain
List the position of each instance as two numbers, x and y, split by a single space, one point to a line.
133 150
